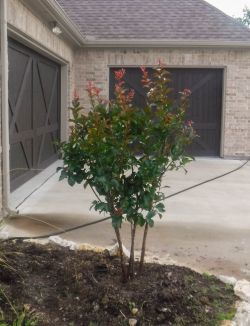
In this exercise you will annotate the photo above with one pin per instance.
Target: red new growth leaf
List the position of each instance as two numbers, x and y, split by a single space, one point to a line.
146 81
187 92
118 211
161 64
144 73
123 96
76 96
93 90
190 123
130 95
119 74
118 87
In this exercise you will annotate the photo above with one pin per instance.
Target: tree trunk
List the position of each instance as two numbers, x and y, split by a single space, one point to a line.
131 270
123 267
143 249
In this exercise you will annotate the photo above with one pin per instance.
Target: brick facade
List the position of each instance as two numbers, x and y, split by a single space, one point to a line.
32 26
26 23
93 64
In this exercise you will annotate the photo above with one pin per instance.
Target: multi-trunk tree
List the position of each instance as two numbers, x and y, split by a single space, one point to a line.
122 152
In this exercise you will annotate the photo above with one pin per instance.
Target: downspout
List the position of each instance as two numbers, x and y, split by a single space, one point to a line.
5 113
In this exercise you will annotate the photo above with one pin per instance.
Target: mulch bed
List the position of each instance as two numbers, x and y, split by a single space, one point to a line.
78 288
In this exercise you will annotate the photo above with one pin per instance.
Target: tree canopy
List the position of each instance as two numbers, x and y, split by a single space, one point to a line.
246 17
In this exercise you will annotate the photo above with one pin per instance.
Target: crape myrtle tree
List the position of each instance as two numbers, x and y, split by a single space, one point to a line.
122 152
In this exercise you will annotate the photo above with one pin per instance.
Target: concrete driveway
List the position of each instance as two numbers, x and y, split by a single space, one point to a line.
206 228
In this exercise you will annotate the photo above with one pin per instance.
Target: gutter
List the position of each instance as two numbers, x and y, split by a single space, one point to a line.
4 110
68 26
164 43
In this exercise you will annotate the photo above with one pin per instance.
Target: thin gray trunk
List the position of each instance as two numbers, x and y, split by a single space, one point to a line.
143 249
123 267
132 251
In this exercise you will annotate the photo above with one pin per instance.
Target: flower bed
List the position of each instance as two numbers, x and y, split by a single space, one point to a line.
65 287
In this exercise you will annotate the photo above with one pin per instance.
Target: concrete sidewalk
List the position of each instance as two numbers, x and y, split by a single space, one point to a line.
206 228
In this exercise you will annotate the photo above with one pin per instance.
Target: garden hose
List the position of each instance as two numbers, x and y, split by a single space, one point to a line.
107 218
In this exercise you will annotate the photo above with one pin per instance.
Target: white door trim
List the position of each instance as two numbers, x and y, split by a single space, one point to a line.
5 110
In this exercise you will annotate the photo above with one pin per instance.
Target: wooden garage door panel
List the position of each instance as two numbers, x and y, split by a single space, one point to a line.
17 73
34 99
205 105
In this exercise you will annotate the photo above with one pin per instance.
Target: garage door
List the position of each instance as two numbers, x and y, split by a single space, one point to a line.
34 119
205 107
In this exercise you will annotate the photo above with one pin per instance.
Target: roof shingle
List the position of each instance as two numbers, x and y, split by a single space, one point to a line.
153 19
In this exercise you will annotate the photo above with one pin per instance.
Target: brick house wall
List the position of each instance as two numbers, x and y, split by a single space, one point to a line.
26 23
32 26
92 64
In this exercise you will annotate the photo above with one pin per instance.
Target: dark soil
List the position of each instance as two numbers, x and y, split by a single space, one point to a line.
78 288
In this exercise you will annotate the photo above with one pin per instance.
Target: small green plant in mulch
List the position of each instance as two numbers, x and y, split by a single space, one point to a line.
226 316
24 317
218 298
3 258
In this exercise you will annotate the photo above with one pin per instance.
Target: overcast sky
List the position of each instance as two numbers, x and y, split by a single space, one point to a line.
231 7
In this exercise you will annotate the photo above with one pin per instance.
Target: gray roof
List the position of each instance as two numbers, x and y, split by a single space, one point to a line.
153 20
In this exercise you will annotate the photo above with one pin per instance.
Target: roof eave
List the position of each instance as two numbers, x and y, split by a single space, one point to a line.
72 30
164 43
69 27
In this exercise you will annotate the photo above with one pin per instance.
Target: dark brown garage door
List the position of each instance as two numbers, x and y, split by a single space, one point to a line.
34 119
205 107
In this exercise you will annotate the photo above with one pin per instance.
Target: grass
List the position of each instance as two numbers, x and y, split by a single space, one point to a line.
226 316
25 317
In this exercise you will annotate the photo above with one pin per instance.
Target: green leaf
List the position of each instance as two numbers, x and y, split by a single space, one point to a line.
160 207
101 207
150 215
94 202
150 223
115 183
149 218
116 221
64 175
147 200
141 220
71 181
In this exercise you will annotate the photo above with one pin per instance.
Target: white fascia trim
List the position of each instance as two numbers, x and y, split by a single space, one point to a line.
89 42
61 17
27 40
5 111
